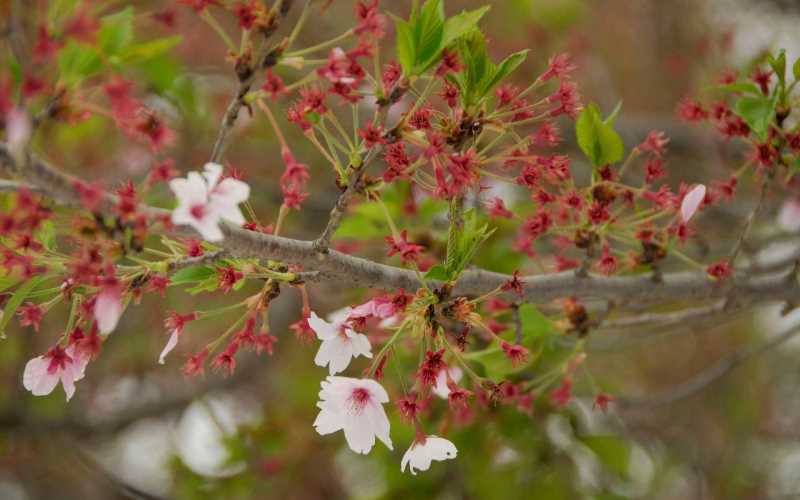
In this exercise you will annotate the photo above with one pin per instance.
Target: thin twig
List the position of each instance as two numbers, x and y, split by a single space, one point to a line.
706 378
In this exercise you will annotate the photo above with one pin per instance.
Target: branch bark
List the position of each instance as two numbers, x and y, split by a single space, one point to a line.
356 271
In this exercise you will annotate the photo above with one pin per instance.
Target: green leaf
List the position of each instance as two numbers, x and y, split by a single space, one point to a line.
422 38
77 62
149 50
740 88
192 274
16 300
508 65
47 235
778 65
405 46
437 273
207 285
757 112
429 31
461 24
597 139
796 69
116 32
466 244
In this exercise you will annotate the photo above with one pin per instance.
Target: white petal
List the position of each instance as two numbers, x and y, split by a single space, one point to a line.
212 172
691 202
107 310
327 422
440 448
360 438
171 343
441 389
232 191
68 383
360 344
322 328
36 378
80 360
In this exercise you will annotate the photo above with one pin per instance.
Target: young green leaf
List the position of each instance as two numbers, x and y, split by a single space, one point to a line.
149 50
116 32
778 65
597 139
77 62
757 112
463 247
405 46
461 24
192 274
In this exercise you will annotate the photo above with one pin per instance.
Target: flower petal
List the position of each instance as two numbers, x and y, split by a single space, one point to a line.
171 343
692 201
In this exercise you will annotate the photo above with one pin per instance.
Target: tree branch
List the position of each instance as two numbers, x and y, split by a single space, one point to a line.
334 265
712 374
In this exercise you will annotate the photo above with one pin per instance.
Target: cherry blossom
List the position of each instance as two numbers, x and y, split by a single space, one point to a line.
422 452
43 373
340 344
441 388
205 199
355 407
692 201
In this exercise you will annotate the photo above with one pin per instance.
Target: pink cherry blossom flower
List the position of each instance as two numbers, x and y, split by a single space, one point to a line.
354 406
789 216
692 201
425 450
43 373
205 199
340 344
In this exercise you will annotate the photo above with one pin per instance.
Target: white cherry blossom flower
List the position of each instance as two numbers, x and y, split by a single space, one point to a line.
43 373
422 452
354 406
204 200
340 344
692 201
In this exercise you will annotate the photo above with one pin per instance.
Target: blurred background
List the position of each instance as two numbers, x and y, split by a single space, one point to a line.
136 429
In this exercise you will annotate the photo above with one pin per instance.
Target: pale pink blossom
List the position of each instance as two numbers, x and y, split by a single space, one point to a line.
425 450
379 307
204 201
339 345
692 201
43 373
108 308
354 406
441 389
789 216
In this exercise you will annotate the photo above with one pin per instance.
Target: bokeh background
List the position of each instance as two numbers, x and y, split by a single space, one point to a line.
137 429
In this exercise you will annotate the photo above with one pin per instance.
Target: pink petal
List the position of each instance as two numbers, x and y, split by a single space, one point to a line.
36 377
691 202
108 309
171 343
789 216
